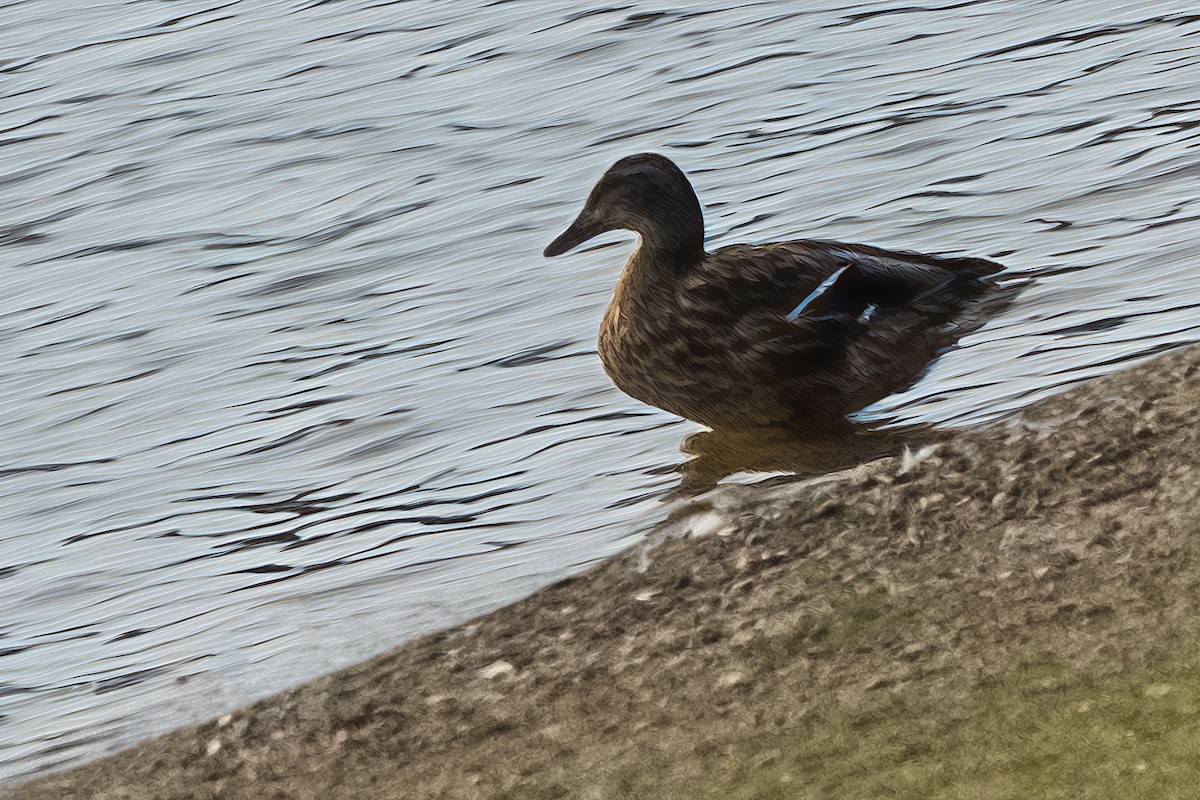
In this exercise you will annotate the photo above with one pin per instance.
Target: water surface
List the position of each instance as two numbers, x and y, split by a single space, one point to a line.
285 377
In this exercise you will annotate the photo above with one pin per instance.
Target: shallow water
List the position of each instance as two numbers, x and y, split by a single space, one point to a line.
287 381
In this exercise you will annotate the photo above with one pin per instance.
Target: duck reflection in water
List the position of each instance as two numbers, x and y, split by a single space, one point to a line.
830 447
770 345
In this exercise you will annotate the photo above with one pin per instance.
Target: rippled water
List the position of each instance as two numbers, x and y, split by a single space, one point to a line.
286 379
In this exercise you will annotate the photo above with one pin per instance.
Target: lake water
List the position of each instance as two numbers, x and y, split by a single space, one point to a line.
287 381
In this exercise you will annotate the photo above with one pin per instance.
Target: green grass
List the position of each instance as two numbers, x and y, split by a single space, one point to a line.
1030 729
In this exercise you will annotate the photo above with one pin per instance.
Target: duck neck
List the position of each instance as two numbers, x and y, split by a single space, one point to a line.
675 235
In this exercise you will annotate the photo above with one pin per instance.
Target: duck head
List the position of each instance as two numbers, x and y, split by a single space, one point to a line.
645 193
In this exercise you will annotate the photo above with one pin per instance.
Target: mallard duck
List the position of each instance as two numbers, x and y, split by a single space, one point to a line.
779 335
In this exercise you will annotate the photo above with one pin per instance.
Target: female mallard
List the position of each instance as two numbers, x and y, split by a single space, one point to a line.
773 335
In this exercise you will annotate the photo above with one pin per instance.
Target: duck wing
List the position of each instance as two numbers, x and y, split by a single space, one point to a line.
799 283
868 280
834 326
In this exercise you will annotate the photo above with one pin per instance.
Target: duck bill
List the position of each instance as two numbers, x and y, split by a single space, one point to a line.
582 229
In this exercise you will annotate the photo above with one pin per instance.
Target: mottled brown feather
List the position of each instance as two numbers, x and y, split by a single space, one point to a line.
707 335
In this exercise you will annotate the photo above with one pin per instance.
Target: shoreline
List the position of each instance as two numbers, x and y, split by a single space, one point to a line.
868 633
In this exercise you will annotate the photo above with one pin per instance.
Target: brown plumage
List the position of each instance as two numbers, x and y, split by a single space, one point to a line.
776 335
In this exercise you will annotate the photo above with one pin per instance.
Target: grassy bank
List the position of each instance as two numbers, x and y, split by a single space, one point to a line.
1025 728
1011 614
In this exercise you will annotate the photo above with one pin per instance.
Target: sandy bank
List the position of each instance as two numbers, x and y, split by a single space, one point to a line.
920 626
